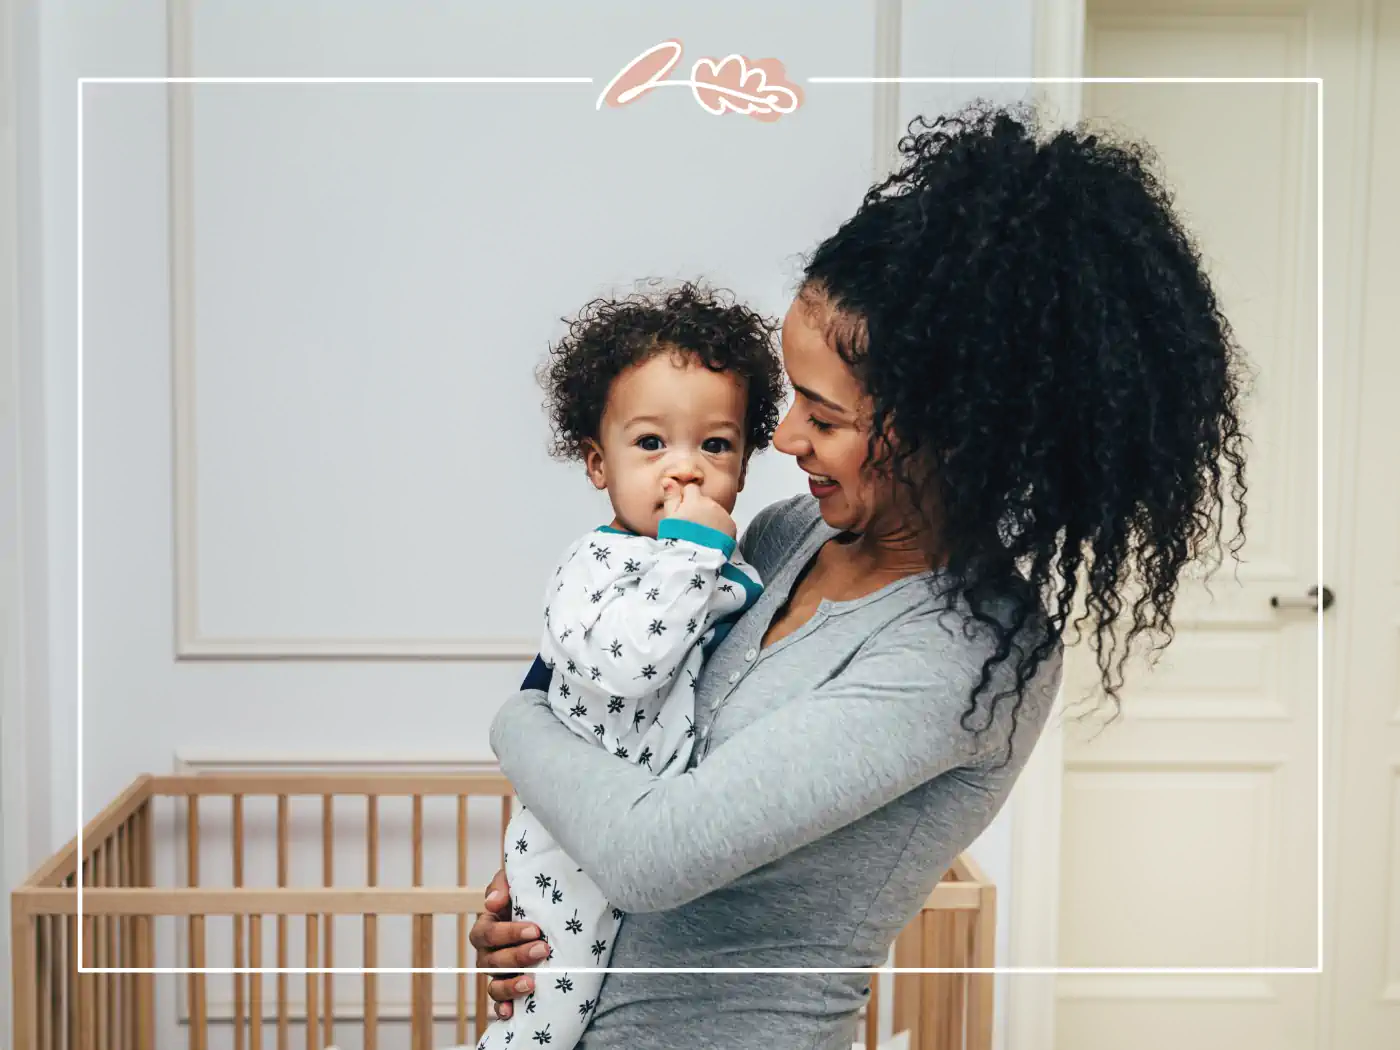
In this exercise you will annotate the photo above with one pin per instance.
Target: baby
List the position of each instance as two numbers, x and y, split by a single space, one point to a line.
663 399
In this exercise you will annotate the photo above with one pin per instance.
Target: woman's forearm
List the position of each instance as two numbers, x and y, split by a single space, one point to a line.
812 766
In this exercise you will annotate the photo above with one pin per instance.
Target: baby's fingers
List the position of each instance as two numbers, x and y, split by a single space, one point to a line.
670 495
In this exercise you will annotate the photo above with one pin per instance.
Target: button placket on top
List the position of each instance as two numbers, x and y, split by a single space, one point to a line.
753 656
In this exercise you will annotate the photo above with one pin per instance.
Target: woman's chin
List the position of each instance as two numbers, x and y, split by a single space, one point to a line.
836 514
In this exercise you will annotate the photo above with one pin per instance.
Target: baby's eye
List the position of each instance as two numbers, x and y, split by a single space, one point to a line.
716 446
649 443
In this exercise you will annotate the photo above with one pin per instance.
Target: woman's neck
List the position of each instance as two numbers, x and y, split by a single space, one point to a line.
886 553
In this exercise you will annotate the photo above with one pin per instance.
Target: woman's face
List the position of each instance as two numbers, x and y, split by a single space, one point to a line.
827 429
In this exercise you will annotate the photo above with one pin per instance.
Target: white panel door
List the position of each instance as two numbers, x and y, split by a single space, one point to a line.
1190 830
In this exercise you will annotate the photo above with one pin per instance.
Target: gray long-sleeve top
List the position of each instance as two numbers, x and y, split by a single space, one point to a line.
832 786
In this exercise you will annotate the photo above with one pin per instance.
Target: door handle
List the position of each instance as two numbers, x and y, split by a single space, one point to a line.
1309 602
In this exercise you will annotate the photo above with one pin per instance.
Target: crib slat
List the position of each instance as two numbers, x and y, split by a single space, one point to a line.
980 986
461 920
55 1004
87 983
953 1008
255 1007
146 930
87 994
239 1016
128 927
118 954
121 1015
328 879
930 996
312 1018
73 981
417 840
371 924
199 1016
64 1038
282 1019
422 1014
109 863
116 1013
32 1001
418 1022
60 1037
99 879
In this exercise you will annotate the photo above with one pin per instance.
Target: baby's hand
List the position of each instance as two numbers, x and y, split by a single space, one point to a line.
690 504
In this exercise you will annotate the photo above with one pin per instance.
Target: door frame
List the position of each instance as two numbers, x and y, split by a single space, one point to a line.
12 785
24 703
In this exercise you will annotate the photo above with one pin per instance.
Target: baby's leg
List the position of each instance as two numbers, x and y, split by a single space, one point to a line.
548 889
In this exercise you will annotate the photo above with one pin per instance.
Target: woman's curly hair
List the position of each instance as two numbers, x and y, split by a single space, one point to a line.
1040 339
608 336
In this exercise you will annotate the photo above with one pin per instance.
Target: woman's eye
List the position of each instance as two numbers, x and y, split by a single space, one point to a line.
649 443
715 446
823 427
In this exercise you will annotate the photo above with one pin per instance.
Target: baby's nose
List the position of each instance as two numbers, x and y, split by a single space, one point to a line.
686 471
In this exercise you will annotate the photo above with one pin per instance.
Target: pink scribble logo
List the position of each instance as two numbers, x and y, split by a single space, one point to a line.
733 84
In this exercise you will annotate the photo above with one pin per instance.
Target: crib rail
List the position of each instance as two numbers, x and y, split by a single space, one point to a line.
165 818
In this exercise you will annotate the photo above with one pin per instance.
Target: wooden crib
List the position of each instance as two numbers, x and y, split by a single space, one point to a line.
223 872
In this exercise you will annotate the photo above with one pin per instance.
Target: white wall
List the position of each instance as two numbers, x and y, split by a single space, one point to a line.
337 227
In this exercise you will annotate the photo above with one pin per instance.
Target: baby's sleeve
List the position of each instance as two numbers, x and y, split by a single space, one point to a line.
625 610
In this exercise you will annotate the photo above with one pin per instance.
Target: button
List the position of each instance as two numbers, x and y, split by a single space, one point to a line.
734 678
749 656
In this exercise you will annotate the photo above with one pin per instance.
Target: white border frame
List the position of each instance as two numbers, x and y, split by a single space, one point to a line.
1040 839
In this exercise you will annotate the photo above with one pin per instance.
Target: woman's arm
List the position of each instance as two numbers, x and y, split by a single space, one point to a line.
889 723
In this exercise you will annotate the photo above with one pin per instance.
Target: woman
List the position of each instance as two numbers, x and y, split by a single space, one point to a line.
1011 377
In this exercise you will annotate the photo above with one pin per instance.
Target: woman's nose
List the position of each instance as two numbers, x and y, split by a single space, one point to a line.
785 437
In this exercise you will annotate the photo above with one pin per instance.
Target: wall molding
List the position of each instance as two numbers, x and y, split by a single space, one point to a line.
889 43
191 643
15 771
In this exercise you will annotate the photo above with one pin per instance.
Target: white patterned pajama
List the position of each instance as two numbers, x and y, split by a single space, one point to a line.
629 621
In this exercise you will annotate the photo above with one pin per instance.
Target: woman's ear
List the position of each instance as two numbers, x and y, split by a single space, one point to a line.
593 463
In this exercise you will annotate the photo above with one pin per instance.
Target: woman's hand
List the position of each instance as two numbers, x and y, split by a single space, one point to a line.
504 945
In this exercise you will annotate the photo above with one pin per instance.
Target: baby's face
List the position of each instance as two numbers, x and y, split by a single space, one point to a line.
669 417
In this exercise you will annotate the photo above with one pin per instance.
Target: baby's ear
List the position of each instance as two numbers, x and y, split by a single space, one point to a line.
593 463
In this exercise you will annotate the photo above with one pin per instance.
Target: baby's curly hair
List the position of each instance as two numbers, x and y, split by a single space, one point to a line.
1038 335
609 336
